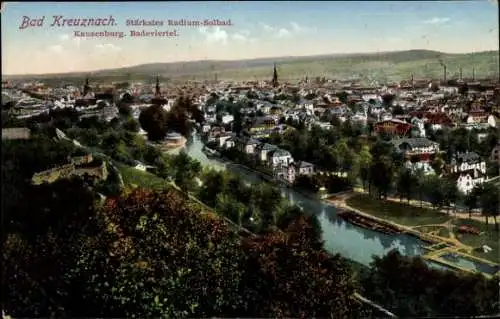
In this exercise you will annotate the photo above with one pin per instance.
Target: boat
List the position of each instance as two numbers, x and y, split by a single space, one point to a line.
368 223
210 152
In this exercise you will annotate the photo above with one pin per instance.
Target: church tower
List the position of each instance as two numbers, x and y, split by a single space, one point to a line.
158 99
157 91
86 87
275 76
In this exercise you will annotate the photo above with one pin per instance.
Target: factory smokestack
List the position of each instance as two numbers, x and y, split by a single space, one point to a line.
460 73
473 74
444 74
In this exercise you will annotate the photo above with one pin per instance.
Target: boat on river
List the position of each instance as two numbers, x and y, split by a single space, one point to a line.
365 222
210 153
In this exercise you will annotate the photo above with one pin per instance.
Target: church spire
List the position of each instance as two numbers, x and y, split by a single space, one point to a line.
275 76
157 86
86 87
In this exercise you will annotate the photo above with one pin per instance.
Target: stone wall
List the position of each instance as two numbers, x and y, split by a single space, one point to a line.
53 174
68 170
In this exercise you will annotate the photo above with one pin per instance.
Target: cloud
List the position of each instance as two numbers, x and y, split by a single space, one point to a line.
286 32
283 33
57 48
239 37
437 20
64 37
107 48
267 27
218 35
394 39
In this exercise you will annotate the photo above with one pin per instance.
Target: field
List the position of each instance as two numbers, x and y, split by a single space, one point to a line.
396 212
382 67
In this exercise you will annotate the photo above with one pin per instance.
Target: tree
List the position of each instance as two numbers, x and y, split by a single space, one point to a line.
381 175
471 200
186 171
398 110
387 99
178 117
154 120
365 161
42 246
230 208
450 192
237 124
342 96
131 125
214 183
274 258
463 89
159 257
489 202
409 288
405 183
266 198
434 190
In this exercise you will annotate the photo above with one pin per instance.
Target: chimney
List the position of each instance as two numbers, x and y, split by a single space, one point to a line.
444 74
460 73
473 74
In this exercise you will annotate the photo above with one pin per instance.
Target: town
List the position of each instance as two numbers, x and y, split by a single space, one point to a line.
418 158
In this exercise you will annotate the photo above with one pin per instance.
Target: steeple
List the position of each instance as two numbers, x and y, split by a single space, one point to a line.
86 87
275 76
157 92
158 99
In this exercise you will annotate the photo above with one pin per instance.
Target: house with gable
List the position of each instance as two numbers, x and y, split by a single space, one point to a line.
469 170
263 150
279 158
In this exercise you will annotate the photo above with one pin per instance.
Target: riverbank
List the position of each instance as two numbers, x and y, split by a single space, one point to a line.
439 248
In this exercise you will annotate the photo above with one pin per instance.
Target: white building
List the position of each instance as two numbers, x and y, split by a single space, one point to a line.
469 170
279 158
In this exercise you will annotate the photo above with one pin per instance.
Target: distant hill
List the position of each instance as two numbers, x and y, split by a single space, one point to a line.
383 66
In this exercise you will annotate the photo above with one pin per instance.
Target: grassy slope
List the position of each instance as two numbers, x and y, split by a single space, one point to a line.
132 176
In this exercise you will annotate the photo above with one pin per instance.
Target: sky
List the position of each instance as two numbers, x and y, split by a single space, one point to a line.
259 29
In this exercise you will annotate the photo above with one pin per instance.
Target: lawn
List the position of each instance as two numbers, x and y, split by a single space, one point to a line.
132 176
441 231
399 213
489 236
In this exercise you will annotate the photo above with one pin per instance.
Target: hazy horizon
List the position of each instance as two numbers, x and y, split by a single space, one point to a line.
236 60
260 31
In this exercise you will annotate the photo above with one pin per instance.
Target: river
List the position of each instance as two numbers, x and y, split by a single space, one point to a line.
356 243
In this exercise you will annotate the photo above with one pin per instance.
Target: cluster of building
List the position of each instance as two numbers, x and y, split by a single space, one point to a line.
37 99
423 106
405 112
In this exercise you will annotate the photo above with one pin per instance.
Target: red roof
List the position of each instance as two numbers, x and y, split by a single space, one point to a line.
394 127
433 117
